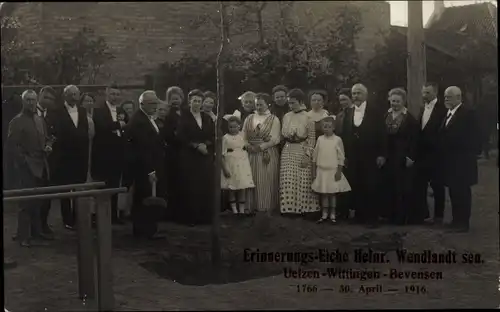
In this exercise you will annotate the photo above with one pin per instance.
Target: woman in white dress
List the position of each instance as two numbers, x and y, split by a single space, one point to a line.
295 172
237 173
261 131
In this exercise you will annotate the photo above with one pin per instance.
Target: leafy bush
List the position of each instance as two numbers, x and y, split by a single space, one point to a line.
314 57
69 62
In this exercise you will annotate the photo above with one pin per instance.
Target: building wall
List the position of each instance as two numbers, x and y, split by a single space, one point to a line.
143 35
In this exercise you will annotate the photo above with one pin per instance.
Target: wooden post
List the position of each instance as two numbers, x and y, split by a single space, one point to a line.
416 62
85 255
221 60
105 298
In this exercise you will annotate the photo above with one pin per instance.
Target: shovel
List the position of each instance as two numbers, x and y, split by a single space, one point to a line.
153 209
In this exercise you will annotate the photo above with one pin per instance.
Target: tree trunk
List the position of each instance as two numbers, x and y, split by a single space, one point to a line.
221 62
260 23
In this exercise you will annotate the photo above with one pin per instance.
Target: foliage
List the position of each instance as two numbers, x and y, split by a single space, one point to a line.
321 55
68 63
474 58
81 56
12 53
389 62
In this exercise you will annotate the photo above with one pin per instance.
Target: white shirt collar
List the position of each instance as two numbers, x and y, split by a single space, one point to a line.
431 103
69 108
454 110
111 107
39 107
361 107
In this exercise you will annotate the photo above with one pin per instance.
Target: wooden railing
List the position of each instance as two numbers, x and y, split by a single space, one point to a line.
85 256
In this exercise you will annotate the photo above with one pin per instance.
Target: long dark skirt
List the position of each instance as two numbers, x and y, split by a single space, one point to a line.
398 195
172 176
195 187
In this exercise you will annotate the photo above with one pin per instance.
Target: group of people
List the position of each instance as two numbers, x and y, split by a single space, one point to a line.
283 153
368 160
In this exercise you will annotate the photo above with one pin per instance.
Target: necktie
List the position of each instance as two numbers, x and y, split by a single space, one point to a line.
448 117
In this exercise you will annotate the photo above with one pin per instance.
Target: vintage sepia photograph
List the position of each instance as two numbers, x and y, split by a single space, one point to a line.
250 155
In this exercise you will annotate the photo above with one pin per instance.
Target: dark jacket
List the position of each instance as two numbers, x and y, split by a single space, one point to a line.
107 147
26 140
372 138
428 140
71 149
144 149
459 146
402 143
189 132
339 121
279 111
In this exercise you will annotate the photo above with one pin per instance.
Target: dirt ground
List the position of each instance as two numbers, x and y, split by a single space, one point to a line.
46 277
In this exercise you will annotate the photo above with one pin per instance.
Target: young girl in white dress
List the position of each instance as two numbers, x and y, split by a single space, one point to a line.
236 171
328 162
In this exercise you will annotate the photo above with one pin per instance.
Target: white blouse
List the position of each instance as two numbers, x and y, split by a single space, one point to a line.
259 118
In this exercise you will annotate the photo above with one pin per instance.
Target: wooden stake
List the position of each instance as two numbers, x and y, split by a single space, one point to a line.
105 298
85 255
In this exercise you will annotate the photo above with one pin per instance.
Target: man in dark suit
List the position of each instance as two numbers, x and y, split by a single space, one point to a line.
108 146
69 125
459 147
426 163
365 143
28 146
145 149
46 102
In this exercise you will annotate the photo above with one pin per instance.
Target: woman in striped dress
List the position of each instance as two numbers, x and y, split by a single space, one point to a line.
261 131
298 131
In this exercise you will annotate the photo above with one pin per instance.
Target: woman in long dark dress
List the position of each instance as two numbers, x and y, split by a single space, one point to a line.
402 129
196 160
317 100
345 103
343 199
209 104
175 99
